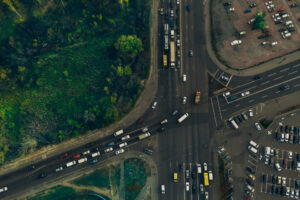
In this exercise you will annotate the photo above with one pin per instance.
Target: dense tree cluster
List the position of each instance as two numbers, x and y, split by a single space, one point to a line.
66 67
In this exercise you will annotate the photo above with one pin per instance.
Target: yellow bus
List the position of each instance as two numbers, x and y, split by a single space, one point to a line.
165 59
175 177
206 183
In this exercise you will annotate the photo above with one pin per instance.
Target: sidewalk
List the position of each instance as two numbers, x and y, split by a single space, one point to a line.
250 71
146 98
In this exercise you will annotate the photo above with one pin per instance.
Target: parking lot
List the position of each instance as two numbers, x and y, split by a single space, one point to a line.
239 45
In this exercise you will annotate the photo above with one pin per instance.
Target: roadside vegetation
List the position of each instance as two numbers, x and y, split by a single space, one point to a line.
67 67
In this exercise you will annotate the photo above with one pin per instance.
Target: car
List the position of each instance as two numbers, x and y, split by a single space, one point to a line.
257 126
140 120
280 10
274 43
184 100
188 7
144 130
86 152
206 196
298 166
245 93
293 5
250 113
190 53
119 151
126 137
279 180
275 15
274 178
205 167
256 77
201 188
177 2
178 43
164 121
163 189
111 144
154 105
287 136
251 176
278 22
264 178
297 184
31 167
250 182
289 154
148 151
283 183
123 144
264 43
236 42
227 3
284 87
226 94
108 150
184 78
187 186
224 78
59 169
247 10
286 129
266 160
187 174
76 156
277 167
4 189
175 112
250 170
178 62
172 13
43 175
93 161
194 188
63 155
231 9
296 194
252 5
287 193
178 53
199 169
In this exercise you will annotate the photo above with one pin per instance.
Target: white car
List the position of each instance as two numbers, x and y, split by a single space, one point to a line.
206 196
201 188
245 93
236 42
224 78
184 78
187 186
4 189
59 169
124 144
231 9
205 166
290 154
144 130
119 151
86 152
126 137
171 13
257 126
298 166
178 43
154 105
274 43
199 169
226 94
108 150
177 2
283 181
250 113
275 15
184 100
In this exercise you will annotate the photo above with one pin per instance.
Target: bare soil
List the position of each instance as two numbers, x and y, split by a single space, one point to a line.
227 25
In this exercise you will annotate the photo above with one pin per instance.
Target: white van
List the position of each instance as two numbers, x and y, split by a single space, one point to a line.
119 132
172 34
163 189
254 144
252 149
210 175
234 124
267 151
96 154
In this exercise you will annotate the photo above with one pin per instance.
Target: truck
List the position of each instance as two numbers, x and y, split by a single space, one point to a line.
197 97
165 60
183 117
144 135
166 42
172 53
166 28
205 177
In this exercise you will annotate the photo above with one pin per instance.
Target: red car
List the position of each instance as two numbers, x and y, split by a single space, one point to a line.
76 156
141 120
280 10
64 155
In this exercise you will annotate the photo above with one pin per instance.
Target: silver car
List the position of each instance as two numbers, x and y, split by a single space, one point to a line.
184 100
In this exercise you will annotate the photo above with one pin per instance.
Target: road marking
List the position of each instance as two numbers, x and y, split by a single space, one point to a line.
279 91
297 85
292 72
264 83
264 96
212 105
296 65
283 70
219 107
276 85
216 72
237 105
278 78
224 110
251 100
229 80
272 74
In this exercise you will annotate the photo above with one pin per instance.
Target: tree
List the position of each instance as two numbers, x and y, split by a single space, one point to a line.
129 46
260 21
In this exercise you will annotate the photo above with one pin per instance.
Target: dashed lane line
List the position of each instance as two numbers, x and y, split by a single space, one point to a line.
264 83
264 96
273 74
292 72
283 70
277 78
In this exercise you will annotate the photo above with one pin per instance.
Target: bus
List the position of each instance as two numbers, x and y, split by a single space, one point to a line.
172 53
165 59
175 177
206 183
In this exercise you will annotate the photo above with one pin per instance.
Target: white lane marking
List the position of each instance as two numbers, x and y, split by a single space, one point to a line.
237 105
216 72
292 72
280 77
251 100
219 107
296 65
297 85
264 83
272 74
283 70
279 91
212 105
276 85
264 96
229 80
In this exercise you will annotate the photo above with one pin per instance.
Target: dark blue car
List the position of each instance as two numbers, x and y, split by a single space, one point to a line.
188 7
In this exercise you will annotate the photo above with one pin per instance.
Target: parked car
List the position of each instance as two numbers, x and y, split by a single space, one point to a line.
257 126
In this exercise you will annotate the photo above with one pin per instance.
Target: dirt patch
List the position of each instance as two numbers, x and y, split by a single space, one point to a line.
226 26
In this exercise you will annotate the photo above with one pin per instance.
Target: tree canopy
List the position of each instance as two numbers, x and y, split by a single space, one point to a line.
260 21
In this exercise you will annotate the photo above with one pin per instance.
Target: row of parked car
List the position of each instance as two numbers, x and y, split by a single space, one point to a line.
235 120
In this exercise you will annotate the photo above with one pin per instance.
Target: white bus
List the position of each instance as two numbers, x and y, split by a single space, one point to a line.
183 117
